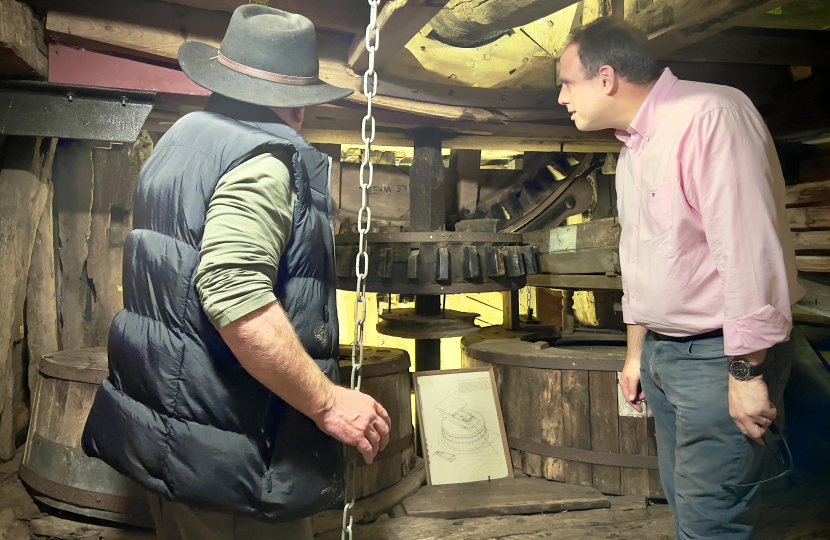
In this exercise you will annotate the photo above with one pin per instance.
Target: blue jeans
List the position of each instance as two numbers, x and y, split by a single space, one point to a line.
699 446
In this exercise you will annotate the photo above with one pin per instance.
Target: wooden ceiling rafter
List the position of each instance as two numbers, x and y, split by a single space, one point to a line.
683 30
398 21
742 45
673 24
348 16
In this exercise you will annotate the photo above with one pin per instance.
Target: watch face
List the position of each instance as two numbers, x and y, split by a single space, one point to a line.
739 370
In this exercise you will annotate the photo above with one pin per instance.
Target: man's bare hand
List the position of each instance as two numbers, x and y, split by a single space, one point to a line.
750 407
630 383
356 419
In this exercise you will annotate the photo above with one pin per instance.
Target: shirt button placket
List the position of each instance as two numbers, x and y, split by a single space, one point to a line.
635 237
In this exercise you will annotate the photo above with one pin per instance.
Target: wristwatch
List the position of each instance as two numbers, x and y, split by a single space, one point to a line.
743 370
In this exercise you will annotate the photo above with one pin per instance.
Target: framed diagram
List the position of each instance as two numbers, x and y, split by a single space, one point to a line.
461 427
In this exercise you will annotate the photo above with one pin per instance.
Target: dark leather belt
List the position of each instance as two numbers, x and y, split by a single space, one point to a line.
654 336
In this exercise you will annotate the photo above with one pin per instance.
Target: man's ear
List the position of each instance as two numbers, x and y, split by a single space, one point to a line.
298 114
608 78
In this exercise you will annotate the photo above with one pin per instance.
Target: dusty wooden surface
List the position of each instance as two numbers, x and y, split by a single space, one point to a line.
605 434
398 21
370 508
655 523
590 261
470 22
93 201
22 41
602 233
505 496
674 24
24 182
809 192
73 205
41 306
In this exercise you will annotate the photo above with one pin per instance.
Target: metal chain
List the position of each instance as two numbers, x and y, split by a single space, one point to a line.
364 219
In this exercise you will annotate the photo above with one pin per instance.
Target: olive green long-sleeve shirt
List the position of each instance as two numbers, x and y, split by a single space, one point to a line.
249 221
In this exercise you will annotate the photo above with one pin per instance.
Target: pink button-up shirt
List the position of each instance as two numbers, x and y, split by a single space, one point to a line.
705 240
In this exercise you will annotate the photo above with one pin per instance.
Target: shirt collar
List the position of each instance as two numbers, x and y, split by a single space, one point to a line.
643 122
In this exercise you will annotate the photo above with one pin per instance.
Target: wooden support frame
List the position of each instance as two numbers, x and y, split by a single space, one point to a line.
348 16
674 24
68 65
398 21
759 46
22 41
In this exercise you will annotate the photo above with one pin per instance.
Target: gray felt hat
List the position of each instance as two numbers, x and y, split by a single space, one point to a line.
268 57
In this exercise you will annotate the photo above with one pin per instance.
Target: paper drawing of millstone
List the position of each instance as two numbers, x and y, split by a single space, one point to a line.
445 456
463 430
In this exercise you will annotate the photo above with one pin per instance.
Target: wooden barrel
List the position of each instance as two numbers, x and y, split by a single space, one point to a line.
563 415
386 378
53 463
65 478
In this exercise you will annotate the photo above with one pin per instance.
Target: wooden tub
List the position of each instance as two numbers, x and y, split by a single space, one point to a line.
53 463
65 478
386 378
562 413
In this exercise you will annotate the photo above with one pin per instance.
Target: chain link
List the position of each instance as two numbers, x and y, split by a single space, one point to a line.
364 220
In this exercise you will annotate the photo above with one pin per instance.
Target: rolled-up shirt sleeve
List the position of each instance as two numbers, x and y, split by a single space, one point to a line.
731 158
249 221
626 311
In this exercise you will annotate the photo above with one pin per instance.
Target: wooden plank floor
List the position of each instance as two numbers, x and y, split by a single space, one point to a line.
799 512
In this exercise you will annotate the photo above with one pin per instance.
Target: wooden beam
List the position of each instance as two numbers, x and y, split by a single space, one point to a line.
813 263
68 65
801 15
461 142
756 46
146 29
812 217
466 22
590 235
22 41
674 24
469 174
811 240
809 193
24 180
398 22
350 16
579 282
817 297
157 30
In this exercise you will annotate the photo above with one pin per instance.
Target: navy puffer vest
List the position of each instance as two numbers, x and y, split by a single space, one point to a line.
178 413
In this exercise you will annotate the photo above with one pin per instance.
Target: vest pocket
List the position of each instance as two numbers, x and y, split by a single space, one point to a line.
657 209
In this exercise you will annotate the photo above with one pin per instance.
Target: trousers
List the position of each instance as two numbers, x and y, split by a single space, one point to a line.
176 521
701 452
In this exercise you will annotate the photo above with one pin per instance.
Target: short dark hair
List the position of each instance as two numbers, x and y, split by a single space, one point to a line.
615 43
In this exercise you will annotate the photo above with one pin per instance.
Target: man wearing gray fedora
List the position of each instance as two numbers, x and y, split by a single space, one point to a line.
223 397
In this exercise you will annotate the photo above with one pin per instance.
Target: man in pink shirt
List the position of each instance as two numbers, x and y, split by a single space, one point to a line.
708 270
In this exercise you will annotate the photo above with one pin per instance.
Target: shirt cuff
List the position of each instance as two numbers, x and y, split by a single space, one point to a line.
757 331
248 305
627 318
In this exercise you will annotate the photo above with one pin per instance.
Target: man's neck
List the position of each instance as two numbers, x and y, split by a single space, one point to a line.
240 110
635 97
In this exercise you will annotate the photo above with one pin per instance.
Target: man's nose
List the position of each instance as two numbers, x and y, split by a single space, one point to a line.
563 97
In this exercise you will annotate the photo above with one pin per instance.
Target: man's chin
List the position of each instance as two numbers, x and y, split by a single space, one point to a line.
582 125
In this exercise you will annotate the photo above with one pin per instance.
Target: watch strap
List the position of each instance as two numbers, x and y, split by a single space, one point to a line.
753 370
